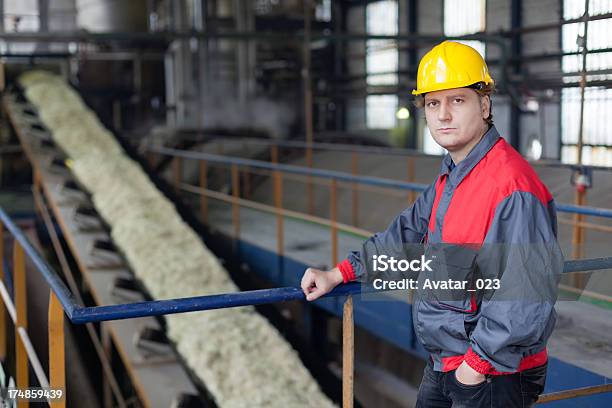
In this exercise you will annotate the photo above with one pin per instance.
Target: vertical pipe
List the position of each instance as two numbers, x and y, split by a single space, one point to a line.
57 360
235 204
278 203
516 48
21 357
203 196
339 25
355 188
178 174
2 307
583 77
411 194
308 101
580 195
306 72
413 62
333 219
348 353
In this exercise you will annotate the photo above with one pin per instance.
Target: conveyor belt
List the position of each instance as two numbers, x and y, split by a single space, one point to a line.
158 380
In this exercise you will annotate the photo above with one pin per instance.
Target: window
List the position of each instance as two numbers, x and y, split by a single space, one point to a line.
597 140
323 12
20 16
465 17
381 63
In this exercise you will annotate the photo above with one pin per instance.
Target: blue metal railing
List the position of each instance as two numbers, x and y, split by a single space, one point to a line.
79 314
342 176
367 149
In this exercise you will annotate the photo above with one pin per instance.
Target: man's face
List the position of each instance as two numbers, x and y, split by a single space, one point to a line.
455 117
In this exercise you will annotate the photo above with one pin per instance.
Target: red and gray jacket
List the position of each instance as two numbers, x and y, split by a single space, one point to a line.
492 199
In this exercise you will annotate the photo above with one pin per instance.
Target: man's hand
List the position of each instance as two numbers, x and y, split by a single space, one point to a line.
468 376
316 283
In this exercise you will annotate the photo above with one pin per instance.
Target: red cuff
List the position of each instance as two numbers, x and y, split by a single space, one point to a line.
346 269
477 363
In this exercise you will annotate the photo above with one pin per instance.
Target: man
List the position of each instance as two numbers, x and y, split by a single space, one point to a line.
487 348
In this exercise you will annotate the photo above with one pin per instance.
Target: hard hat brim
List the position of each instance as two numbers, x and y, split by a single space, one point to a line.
445 86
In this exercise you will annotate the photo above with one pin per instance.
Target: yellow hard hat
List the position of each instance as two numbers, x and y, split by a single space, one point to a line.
451 65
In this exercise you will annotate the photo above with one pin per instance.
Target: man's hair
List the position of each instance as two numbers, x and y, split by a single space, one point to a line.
481 89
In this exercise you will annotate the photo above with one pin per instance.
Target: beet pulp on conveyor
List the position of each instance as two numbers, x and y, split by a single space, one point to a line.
240 357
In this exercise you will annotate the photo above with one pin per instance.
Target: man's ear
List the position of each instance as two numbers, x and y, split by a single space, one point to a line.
485 105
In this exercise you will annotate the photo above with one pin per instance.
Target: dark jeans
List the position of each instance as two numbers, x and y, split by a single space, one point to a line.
519 390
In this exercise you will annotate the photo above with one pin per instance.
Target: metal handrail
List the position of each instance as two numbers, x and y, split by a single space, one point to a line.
79 314
373 149
53 279
341 176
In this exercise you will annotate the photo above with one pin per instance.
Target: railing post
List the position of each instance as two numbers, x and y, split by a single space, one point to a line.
278 203
578 238
177 165
2 307
235 204
348 353
203 186
21 357
355 188
274 153
246 179
57 361
334 224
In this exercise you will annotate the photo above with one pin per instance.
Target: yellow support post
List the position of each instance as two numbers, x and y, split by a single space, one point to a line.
21 357
2 307
57 361
578 279
348 353
274 154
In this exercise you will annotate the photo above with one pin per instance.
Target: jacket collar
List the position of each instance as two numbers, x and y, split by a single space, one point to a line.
474 156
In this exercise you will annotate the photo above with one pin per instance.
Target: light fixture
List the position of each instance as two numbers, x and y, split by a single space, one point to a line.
403 113
536 149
